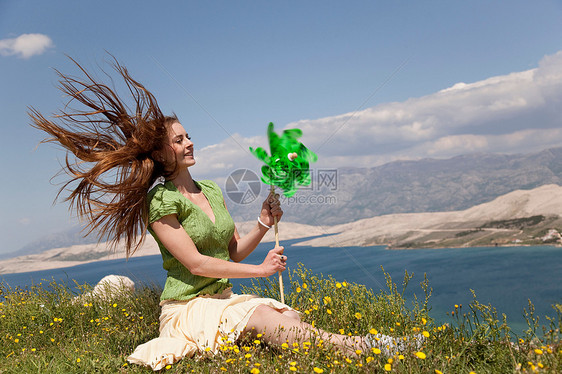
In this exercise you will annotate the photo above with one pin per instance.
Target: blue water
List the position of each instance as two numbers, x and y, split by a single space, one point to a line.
505 277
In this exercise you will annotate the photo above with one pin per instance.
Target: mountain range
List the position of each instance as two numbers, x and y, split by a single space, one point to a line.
428 185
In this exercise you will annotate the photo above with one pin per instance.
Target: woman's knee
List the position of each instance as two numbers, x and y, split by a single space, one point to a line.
263 311
292 314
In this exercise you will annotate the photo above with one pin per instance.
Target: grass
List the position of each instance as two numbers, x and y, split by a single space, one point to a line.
45 329
516 223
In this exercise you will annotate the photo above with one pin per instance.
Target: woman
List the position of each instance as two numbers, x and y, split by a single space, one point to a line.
119 156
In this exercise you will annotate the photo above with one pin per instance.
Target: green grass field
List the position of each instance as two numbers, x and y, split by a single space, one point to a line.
44 329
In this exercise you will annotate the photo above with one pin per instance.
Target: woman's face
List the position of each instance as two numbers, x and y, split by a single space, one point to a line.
178 151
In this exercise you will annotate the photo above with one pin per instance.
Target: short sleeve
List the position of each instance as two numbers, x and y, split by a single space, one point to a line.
162 202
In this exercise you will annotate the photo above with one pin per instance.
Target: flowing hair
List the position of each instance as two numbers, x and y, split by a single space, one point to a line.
112 166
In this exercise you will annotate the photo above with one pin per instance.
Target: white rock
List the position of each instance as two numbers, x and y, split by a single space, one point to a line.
113 285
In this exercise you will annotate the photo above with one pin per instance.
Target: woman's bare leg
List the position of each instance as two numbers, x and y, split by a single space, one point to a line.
286 327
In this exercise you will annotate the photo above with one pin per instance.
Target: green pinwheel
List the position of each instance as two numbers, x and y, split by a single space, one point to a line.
287 167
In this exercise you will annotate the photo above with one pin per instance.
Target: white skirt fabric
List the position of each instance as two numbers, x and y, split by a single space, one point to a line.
199 325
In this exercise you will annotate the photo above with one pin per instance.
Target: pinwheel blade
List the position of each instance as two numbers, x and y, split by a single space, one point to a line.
288 165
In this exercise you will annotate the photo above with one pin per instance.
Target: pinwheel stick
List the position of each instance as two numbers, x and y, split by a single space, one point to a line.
276 230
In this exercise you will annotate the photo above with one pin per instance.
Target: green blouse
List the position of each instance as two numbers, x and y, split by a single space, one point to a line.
210 239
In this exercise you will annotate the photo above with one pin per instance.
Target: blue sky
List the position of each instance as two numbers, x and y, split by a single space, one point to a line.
369 82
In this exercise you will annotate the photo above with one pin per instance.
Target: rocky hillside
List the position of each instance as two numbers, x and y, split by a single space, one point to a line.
519 217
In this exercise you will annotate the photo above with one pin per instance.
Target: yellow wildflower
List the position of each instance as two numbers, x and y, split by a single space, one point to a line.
305 286
376 351
424 321
426 334
358 315
387 367
255 371
373 331
338 285
538 351
420 355
318 370
298 290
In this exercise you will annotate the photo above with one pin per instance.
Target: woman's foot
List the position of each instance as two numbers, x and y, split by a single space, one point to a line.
390 345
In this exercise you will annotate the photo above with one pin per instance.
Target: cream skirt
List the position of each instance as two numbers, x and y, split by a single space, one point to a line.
198 325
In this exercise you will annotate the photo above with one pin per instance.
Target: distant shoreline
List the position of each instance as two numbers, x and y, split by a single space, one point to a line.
390 248
29 265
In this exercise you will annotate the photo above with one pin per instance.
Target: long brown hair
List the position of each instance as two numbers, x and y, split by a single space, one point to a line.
113 165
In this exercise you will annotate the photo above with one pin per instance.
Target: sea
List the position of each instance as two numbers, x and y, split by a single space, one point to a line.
507 278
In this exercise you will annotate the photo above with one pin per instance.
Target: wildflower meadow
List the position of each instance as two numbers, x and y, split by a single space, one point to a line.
53 328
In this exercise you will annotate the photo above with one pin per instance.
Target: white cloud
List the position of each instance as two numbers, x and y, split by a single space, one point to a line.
513 113
25 45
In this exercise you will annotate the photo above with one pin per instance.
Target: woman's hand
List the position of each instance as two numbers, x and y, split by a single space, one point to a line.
271 208
274 262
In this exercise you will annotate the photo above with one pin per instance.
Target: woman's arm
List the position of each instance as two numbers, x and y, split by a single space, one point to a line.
179 244
241 247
